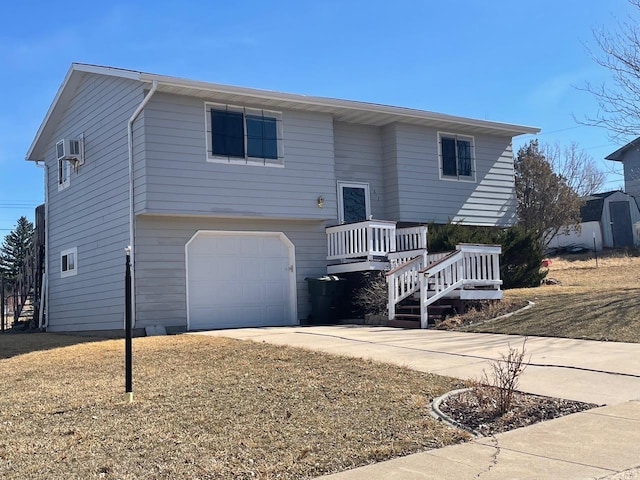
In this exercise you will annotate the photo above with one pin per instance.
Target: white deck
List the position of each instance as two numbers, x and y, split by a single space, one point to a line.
471 272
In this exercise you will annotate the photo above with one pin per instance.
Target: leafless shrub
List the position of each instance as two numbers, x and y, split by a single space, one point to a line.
373 296
499 385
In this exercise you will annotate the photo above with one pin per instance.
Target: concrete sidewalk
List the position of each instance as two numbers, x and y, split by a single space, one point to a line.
601 443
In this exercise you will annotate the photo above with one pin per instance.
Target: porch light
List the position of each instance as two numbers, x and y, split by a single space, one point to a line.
320 202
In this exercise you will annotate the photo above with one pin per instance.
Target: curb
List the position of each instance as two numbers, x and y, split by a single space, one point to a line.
442 417
506 315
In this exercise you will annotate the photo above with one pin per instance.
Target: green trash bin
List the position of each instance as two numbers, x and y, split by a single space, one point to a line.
325 293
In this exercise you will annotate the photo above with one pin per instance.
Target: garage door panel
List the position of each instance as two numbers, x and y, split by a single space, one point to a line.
274 313
275 290
249 246
273 248
239 280
222 245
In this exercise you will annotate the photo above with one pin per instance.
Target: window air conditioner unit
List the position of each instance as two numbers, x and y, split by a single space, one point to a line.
70 149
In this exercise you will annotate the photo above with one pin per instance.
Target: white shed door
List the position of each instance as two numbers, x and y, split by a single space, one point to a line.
240 280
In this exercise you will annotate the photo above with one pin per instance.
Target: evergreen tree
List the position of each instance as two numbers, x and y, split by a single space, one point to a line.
14 249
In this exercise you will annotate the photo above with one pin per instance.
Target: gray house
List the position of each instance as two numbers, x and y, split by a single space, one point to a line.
629 156
230 197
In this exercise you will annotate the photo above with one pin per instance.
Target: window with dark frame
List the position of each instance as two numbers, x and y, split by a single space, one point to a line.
235 134
457 157
262 137
227 133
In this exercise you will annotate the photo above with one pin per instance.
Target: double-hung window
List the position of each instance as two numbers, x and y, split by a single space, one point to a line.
457 158
69 262
244 135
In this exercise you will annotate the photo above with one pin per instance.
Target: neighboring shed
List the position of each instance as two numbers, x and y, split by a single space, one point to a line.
612 218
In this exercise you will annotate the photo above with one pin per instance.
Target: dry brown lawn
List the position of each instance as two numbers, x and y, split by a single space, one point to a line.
600 303
205 408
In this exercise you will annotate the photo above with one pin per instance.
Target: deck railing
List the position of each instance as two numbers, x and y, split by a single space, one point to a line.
481 263
411 238
369 239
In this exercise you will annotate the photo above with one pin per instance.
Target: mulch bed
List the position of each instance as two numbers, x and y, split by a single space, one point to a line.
477 413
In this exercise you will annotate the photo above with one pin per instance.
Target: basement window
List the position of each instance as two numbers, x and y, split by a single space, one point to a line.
244 135
69 262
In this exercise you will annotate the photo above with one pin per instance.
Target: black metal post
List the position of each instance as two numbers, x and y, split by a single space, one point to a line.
2 301
595 250
128 329
15 302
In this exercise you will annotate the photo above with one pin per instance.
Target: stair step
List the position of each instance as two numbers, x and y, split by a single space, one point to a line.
408 316
403 323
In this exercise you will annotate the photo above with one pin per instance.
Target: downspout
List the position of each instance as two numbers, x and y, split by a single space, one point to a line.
44 294
154 87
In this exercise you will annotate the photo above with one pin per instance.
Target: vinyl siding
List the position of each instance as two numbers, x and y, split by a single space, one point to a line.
358 151
160 261
424 197
176 177
631 166
390 172
92 213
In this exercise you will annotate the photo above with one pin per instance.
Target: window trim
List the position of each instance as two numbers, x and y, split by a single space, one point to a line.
457 178
64 166
69 272
247 160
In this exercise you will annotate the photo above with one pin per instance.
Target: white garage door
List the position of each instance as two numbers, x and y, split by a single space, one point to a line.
240 279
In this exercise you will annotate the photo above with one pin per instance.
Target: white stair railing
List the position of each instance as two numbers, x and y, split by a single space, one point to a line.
470 266
437 275
403 281
439 279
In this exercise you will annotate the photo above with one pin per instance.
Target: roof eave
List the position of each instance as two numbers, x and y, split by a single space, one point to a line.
302 100
32 153
617 156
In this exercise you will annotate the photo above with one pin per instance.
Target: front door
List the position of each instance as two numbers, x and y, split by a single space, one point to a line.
621 224
353 202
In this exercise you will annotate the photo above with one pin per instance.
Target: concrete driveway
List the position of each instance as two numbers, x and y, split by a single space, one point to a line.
603 443
585 370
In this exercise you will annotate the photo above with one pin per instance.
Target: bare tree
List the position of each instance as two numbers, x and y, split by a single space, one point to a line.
618 101
575 167
547 205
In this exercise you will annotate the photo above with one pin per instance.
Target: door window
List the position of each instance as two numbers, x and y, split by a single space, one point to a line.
353 202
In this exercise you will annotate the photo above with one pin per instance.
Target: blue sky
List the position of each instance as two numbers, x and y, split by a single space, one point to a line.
509 61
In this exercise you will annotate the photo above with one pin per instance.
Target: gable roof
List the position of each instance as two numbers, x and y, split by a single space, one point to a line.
348 111
618 155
